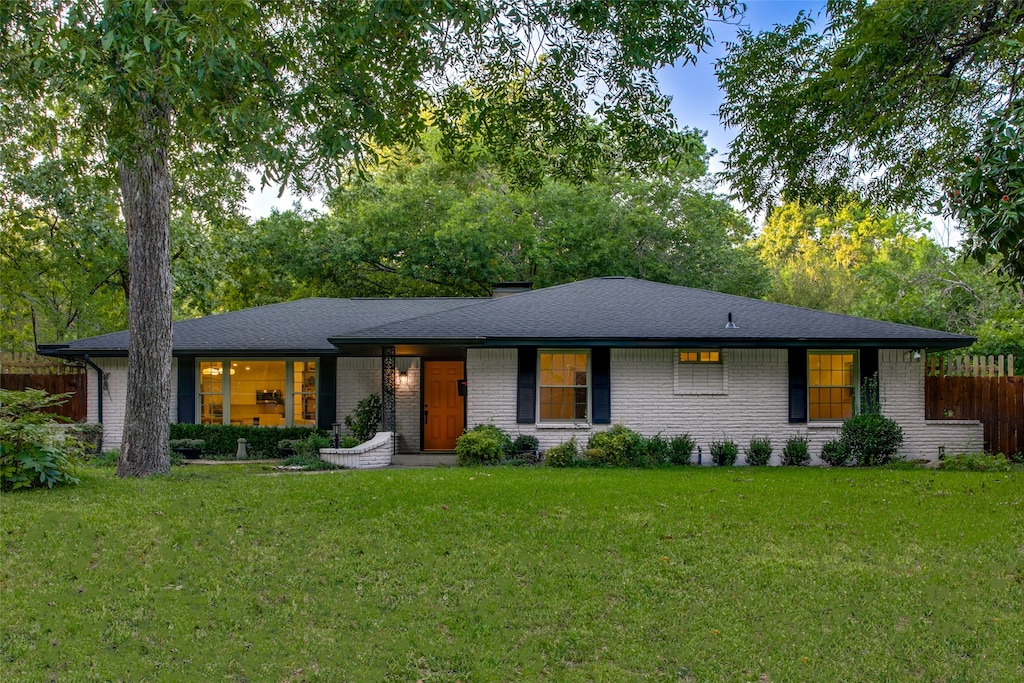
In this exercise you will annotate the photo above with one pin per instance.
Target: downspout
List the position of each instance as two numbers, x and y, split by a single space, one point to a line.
99 385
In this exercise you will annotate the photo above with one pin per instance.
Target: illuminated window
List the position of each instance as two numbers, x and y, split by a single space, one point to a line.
262 393
699 371
831 384
564 386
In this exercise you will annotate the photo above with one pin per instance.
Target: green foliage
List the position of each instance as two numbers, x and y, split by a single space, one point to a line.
308 462
34 449
188 444
821 113
681 449
222 440
871 438
617 447
797 451
310 446
524 443
482 445
348 442
90 434
989 198
104 459
976 462
563 455
724 452
364 421
836 453
657 451
759 452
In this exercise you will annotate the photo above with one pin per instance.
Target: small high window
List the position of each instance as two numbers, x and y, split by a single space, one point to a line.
699 371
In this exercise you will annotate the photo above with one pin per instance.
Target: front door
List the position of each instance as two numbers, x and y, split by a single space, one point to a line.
444 411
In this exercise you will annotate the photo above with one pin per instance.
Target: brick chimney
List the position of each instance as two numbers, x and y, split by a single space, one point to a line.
500 289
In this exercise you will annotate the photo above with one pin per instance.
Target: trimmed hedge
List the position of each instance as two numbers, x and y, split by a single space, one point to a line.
222 440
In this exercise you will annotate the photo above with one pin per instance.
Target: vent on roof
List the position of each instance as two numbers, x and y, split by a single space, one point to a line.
731 325
501 289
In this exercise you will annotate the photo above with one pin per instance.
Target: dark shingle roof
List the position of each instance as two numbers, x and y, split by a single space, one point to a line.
292 326
611 311
622 309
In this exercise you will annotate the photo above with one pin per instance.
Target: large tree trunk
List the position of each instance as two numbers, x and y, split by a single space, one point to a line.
146 191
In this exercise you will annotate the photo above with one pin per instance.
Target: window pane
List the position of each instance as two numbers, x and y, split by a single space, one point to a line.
563 393
211 409
831 385
304 393
257 393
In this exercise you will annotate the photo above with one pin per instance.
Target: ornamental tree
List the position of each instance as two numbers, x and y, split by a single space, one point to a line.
167 91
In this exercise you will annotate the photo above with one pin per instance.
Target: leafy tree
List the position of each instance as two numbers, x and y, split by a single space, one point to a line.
425 225
885 101
171 92
879 265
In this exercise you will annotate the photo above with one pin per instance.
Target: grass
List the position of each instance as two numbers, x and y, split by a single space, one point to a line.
777 574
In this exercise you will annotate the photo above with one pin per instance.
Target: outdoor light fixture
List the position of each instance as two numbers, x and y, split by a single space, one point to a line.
403 378
917 354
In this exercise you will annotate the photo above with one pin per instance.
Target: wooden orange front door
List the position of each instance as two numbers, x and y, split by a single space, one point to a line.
444 412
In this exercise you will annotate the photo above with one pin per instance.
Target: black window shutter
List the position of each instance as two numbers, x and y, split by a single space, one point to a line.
187 389
526 387
326 392
868 370
798 385
601 387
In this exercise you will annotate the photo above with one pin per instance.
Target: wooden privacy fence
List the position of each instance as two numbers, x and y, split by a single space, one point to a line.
55 376
978 388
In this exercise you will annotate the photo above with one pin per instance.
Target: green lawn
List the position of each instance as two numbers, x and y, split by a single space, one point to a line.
779 574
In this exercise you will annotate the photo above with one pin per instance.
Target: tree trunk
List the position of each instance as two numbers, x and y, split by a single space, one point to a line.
146 192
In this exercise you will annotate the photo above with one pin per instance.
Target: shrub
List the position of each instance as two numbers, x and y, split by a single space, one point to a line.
34 450
871 438
525 450
311 445
364 421
657 451
482 445
759 452
680 449
835 453
724 452
617 447
976 462
188 444
796 452
90 434
563 455
348 442
222 440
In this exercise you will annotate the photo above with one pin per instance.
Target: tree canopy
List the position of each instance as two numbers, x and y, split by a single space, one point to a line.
167 94
907 102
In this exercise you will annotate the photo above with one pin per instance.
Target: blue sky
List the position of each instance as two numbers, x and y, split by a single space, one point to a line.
693 88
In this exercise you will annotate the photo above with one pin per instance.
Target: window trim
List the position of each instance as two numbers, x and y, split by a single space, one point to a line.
678 364
856 384
542 423
225 361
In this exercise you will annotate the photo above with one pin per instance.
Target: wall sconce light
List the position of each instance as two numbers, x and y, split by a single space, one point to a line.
403 378
915 354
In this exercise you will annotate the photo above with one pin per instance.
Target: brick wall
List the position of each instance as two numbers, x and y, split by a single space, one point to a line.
644 398
115 395
360 377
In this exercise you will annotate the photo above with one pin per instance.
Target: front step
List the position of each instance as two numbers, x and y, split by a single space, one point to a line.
423 459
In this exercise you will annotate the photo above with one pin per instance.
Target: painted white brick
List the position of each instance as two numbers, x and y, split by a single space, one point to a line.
756 403
360 377
115 394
